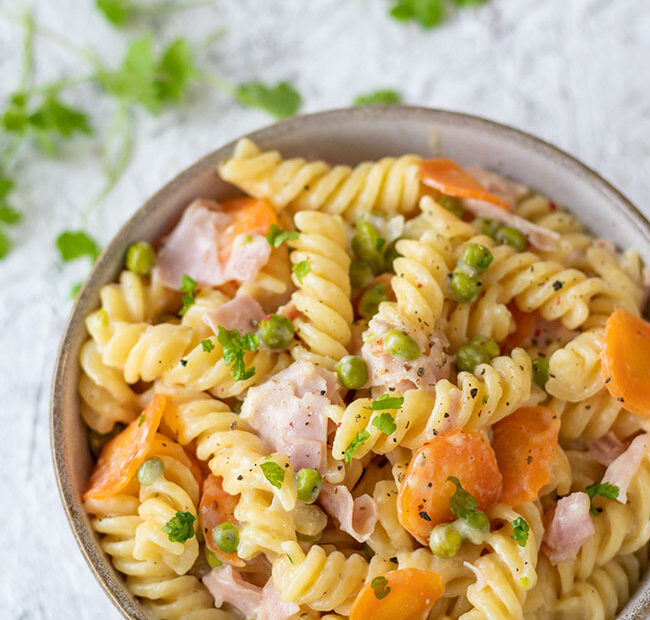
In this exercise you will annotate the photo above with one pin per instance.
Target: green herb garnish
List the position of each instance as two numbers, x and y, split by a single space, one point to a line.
188 286
207 345
464 506
385 401
354 444
301 269
604 489
280 100
273 473
380 587
379 97
385 423
520 531
180 527
277 236
75 244
234 344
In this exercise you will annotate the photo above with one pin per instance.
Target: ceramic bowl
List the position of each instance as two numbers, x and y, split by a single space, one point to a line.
342 136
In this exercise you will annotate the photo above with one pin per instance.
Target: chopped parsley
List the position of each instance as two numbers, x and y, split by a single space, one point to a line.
234 344
188 286
301 269
464 506
385 423
273 473
386 402
280 100
277 236
379 97
207 345
520 531
380 587
604 489
180 527
74 244
354 445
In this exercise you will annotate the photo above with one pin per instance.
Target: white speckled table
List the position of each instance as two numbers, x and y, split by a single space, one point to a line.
575 73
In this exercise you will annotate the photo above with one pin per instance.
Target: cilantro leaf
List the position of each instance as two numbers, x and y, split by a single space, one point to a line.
354 444
520 531
427 13
234 346
464 3
57 117
604 489
6 186
277 236
385 423
301 269
180 527
280 100
379 97
386 402
464 506
9 215
273 473
5 244
115 11
175 71
380 587
73 244
207 345
188 286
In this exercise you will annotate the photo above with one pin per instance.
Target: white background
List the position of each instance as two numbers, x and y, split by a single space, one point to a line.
574 72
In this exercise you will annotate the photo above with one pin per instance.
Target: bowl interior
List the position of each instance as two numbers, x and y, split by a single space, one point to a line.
344 136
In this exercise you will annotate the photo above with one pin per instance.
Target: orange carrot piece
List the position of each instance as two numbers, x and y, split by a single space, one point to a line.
524 325
626 361
251 216
121 456
423 500
525 444
164 446
403 594
215 508
448 177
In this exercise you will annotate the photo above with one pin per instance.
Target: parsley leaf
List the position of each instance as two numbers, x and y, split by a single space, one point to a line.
281 100
141 420
273 473
277 236
427 13
354 444
464 506
180 527
73 244
604 489
5 244
234 346
385 423
74 289
386 401
379 97
6 186
380 587
55 116
175 71
9 215
188 286
207 345
301 269
520 531
115 11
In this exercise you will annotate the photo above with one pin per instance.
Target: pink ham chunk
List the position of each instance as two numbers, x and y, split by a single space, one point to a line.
192 249
356 517
622 469
242 313
568 526
396 375
226 585
289 412
607 448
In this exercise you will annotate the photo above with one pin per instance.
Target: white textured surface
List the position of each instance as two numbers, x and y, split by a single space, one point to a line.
575 73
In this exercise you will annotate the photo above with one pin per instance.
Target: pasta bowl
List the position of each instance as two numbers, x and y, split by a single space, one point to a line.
344 136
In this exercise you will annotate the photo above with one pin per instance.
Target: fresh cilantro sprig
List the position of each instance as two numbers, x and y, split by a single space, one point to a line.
604 489
180 527
188 286
354 445
386 401
273 473
378 97
520 531
301 269
385 423
77 243
281 100
207 345
380 587
123 12
464 506
9 216
277 236
234 344
427 13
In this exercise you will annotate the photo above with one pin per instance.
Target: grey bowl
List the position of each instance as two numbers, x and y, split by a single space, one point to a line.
343 136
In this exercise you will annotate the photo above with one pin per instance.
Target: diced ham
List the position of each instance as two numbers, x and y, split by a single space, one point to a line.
289 412
356 517
568 526
192 248
499 185
396 375
607 448
622 469
227 585
242 313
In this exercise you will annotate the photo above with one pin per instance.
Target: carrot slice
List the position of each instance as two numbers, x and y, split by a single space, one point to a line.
423 500
626 361
164 446
251 216
215 508
448 177
525 444
121 456
524 325
403 594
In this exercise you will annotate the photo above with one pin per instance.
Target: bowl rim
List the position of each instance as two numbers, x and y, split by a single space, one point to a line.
115 590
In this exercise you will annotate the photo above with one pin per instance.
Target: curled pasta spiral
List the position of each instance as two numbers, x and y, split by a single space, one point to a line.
442 222
389 537
323 295
390 185
320 581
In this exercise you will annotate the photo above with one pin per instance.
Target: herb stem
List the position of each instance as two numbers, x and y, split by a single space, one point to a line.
217 82
28 51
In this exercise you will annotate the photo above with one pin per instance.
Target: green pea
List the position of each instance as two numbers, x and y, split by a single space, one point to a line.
401 345
211 558
96 441
540 371
464 287
369 302
512 237
360 274
469 356
489 227
140 258
352 372
476 256
309 482
368 244
276 331
226 537
488 344
390 254
445 541
451 203
150 471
